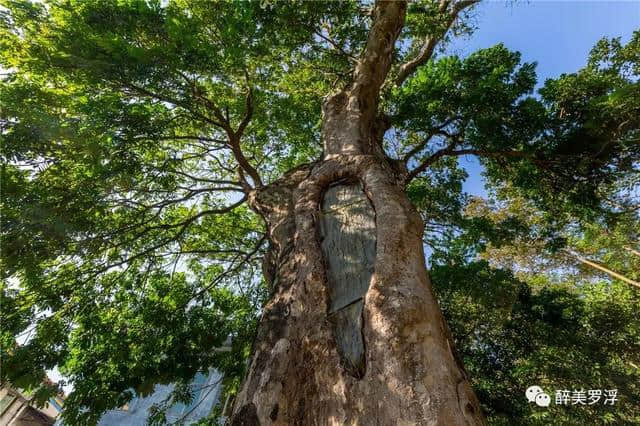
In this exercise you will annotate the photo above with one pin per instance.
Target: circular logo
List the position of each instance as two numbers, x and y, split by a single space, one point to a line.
543 400
532 391
536 394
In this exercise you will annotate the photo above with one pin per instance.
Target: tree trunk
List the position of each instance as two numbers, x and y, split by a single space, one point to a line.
352 333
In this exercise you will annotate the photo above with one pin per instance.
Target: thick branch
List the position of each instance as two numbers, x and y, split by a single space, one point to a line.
350 115
233 135
234 140
374 65
243 162
247 116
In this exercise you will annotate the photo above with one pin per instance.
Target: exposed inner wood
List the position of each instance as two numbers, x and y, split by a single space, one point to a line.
347 330
348 230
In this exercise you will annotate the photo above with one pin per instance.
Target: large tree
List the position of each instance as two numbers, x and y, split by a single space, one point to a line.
157 155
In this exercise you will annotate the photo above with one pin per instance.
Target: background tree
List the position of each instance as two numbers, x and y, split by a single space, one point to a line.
157 156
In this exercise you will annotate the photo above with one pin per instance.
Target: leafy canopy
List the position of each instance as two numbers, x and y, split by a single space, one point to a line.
132 132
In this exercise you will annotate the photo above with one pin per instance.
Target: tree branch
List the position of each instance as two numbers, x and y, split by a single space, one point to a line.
233 269
435 131
479 152
482 153
203 179
183 137
603 269
248 114
432 159
173 101
184 225
430 42
224 122
632 251
244 163
375 62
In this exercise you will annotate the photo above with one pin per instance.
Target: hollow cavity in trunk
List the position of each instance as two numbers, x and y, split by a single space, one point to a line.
348 232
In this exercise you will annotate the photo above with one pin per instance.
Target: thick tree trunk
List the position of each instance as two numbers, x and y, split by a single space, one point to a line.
352 333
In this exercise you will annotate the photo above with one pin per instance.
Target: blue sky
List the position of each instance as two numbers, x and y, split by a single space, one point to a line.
556 34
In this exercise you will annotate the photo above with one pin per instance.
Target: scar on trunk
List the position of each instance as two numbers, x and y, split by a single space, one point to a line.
348 233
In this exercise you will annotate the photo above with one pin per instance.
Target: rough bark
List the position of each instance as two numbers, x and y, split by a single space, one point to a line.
352 333
410 374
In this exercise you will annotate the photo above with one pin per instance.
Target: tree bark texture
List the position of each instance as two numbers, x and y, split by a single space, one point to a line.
352 333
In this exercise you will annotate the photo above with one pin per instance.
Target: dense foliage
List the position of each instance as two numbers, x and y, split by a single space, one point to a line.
558 334
132 132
